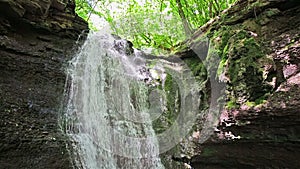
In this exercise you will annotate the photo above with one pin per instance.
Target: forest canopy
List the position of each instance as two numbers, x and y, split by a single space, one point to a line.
156 24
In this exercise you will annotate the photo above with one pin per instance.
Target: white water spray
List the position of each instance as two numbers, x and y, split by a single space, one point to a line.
107 113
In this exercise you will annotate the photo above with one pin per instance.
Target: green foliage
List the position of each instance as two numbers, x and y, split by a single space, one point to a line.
231 104
160 25
83 9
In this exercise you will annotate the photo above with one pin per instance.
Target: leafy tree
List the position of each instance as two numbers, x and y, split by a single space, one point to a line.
158 24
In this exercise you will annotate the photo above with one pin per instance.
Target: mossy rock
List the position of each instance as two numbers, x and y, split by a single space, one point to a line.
171 105
240 54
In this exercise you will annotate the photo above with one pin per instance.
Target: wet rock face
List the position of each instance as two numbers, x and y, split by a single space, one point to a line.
37 38
258 43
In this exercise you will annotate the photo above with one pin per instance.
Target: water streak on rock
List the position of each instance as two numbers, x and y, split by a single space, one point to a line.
107 114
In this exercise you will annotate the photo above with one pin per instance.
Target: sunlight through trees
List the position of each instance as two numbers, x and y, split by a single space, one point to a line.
155 24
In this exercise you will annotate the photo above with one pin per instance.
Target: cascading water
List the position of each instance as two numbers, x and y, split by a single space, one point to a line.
107 113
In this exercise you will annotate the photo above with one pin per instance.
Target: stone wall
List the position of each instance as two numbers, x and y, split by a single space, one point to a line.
37 38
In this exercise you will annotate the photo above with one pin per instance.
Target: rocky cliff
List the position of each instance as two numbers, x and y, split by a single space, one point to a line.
257 43
37 38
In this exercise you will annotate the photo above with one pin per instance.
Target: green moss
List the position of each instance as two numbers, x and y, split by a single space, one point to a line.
250 104
243 55
240 55
197 67
231 104
220 40
221 67
261 100
172 103
152 64
171 89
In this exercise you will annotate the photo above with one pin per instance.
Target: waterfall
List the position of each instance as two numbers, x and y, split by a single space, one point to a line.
107 113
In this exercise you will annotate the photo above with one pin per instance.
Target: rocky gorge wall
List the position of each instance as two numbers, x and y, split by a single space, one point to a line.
257 44
37 38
